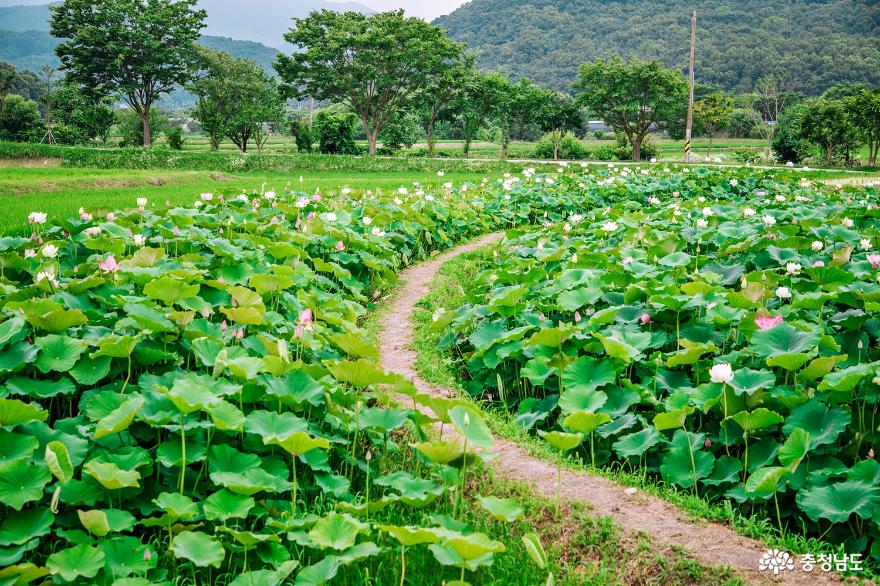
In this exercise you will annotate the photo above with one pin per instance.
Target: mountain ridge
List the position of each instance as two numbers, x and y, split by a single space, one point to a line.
815 43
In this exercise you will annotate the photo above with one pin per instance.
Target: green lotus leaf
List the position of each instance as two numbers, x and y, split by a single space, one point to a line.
765 480
677 466
676 259
751 421
263 284
266 577
59 320
319 573
385 420
618 348
300 443
120 418
274 427
124 555
226 416
21 527
636 444
584 422
335 531
823 423
354 344
537 370
169 290
581 400
89 371
360 373
837 502
747 381
845 381
149 319
116 346
587 373
783 340
22 482
794 449
409 535
552 337
224 504
111 476
819 367
193 393
81 561
673 419
199 548
10 329
16 357
95 522
58 353
177 506
295 388
40 388
562 441
247 315
14 412
473 545
727 470
16 446
442 451
22 573
469 423
507 510
533 546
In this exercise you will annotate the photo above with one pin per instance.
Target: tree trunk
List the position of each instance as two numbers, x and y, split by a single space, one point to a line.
829 155
555 150
145 122
503 144
637 149
371 140
429 131
467 145
215 142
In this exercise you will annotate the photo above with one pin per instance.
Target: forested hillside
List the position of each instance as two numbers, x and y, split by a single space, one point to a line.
815 43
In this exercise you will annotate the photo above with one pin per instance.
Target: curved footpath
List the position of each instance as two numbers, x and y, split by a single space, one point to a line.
711 544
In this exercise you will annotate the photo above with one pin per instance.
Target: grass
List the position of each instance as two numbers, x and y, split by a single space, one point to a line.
61 191
437 367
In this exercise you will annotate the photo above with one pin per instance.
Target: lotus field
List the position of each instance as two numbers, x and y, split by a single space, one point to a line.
186 393
714 330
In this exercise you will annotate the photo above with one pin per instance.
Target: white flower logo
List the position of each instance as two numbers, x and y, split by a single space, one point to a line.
776 561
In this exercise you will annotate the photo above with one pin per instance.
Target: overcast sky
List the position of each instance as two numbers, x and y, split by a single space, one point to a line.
427 9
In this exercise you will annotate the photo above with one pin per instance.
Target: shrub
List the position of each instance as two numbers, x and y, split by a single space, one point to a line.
336 132
569 147
788 141
624 149
401 132
175 138
132 129
20 119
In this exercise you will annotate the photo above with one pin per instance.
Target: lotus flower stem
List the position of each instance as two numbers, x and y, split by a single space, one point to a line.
182 454
463 480
693 462
558 482
778 515
293 488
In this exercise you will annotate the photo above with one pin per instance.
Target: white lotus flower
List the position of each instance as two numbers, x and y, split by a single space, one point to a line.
37 217
721 373
331 217
702 223
748 212
817 246
139 239
865 244
50 251
793 268
769 221
303 202
93 231
30 253
141 202
848 223
707 211
367 220
207 196
609 226
402 190
783 293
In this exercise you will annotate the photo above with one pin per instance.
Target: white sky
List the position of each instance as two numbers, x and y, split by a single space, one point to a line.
427 9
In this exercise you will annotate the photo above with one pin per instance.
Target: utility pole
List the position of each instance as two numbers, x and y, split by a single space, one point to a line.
49 72
690 116
311 110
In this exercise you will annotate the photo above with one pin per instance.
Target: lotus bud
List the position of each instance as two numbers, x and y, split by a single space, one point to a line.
147 555
871 453
368 456
707 443
56 496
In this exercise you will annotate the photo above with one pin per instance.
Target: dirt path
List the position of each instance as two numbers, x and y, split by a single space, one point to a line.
712 544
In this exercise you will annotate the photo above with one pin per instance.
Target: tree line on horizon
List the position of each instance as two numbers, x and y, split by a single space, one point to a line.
389 77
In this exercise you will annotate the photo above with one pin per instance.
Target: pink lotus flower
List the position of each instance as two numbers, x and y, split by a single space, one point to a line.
819 263
765 322
239 333
111 216
176 231
707 443
645 319
577 317
147 555
316 197
206 313
167 203
311 216
874 259
305 322
340 246
223 326
109 265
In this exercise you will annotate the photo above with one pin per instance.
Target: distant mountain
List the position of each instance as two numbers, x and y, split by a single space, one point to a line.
262 21
815 43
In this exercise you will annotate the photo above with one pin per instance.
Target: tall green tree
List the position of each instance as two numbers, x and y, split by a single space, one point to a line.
632 97
92 116
864 109
474 104
829 125
437 99
20 119
514 105
236 98
556 114
712 113
371 64
137 49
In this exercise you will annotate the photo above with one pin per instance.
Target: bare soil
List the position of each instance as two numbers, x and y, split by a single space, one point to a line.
636 512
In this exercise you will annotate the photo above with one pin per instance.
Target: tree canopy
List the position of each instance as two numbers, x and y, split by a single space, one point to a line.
371 64
137 49
633 97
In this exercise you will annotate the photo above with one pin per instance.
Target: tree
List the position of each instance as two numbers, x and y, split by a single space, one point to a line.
633 96
92 117
712 113
864 109
557 114
474 104
236 98
335 132
371 64
401 131
787 140
437 99
20 119
828 124
513 105
138 49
